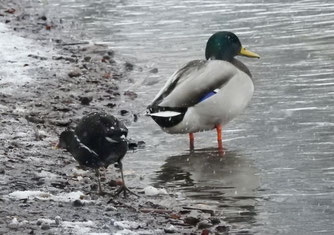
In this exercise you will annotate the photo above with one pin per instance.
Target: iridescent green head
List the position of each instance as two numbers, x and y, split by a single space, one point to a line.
224 46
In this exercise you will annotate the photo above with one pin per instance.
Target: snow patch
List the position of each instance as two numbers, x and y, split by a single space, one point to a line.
152 191
29 195
45 221
78 172
78 227
127 224
46 174
64 197
15 223
98 233
126 232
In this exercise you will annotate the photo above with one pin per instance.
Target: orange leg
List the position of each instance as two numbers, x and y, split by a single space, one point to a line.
191 141
219 136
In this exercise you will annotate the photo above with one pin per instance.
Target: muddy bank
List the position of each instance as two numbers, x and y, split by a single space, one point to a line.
42 190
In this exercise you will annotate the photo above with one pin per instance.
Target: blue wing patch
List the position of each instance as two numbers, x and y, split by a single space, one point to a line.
208 95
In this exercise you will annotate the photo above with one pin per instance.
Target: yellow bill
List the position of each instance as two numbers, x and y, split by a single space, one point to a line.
248 53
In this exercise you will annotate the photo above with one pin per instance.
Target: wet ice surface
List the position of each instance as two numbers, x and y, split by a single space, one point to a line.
277 174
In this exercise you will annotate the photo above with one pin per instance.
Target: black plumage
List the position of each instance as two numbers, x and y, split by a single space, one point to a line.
98 140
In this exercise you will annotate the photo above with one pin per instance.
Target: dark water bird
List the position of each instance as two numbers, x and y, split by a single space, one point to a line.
98 140
206 94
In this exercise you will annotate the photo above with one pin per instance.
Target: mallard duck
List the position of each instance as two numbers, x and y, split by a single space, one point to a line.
206 94
98 140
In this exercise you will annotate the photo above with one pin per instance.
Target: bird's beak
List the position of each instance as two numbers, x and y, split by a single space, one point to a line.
248 53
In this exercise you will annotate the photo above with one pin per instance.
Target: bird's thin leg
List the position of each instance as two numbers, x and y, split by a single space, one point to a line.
99 180
219 136
123 187
191 141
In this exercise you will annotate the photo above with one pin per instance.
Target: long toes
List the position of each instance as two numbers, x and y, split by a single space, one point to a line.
124 189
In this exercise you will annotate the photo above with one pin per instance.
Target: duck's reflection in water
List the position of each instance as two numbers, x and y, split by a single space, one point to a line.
228 184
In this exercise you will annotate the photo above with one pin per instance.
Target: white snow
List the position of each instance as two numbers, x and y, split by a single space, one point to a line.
46 174
72 196
127 224
14 51
65 197
29 195
46 221
79 227
171 228
99 233
79 172
69 227
72 227
126 232
15 223
152 191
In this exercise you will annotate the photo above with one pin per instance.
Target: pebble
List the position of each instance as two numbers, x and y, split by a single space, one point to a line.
58 220
132 95
87 58
128 66
205 232
32 118
94 187
154 70
61 108
85 100
111 105
124 112
78 203
14 224
135 117
37 57
43 18
74 74
113 183
106 57
111 53
204 224
215 221
40 182
222 228
62 123
141 144
170 229
111 208
191 220
45 226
